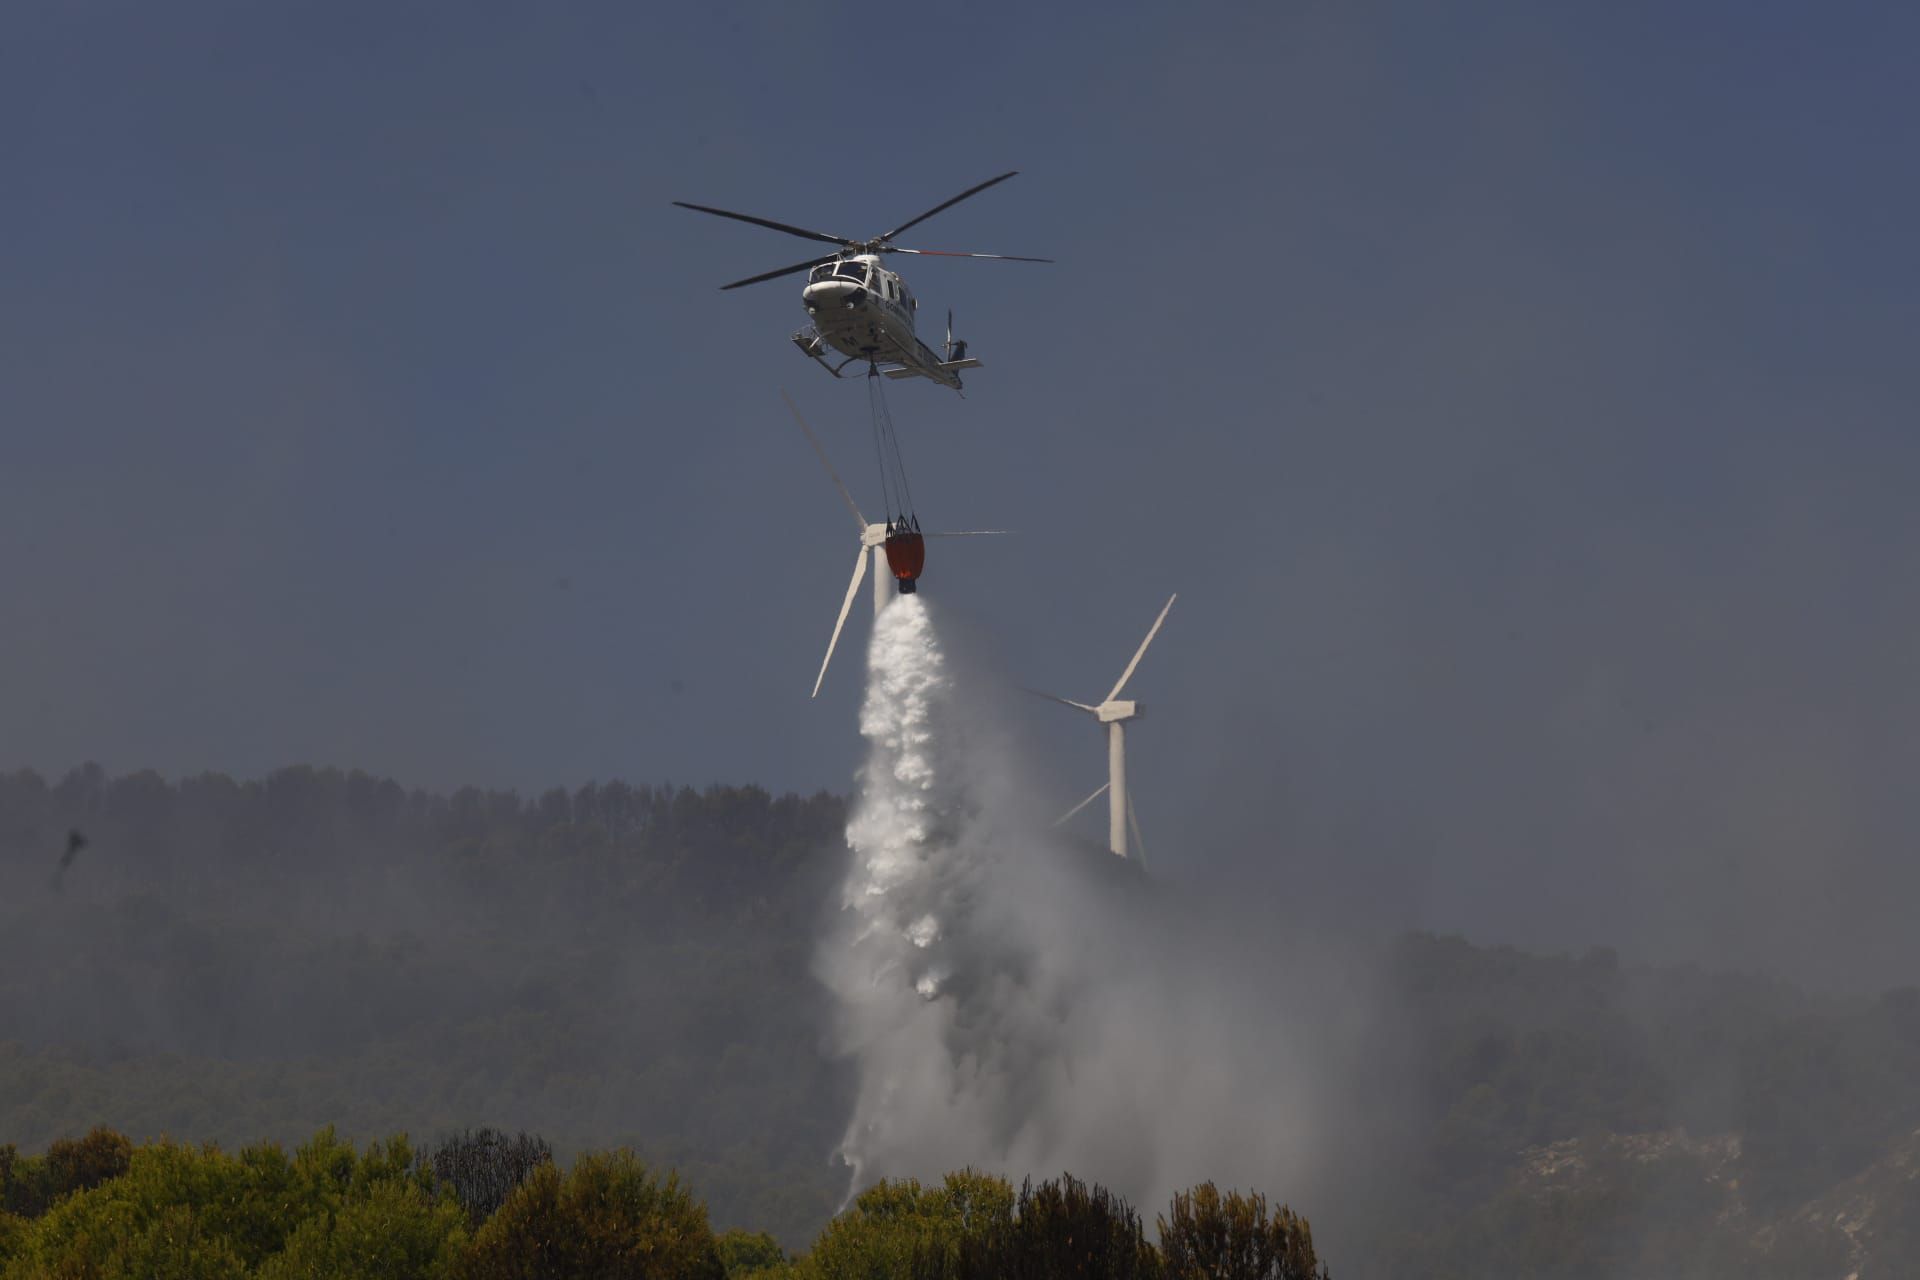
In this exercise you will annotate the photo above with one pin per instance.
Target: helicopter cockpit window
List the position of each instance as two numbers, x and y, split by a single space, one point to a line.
822 272
855 271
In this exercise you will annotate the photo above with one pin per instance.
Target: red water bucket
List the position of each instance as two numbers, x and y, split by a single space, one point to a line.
906 556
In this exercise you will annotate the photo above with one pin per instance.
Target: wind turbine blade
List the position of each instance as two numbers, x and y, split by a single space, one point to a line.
1133 821
822 455
1065 702
846 606
1141 652
1097 793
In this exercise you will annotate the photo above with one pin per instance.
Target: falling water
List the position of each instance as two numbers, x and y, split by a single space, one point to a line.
892 828
1011 1005
886 964
950 1011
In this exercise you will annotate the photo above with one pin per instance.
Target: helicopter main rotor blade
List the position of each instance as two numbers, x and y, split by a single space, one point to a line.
970 191
802 232
949 253
783 271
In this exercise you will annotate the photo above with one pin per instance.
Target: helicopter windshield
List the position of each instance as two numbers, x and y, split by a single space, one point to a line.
854 271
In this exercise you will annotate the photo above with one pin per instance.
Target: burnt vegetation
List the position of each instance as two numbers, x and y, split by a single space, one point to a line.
481 1168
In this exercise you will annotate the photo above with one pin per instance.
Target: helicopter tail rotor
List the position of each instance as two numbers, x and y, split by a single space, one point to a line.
956 350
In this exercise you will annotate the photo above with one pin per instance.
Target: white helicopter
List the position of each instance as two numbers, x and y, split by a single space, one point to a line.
864 311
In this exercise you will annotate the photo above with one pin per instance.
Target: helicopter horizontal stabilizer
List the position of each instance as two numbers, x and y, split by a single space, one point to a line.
948 365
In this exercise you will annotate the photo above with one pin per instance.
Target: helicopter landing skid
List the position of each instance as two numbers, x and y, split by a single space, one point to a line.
815 347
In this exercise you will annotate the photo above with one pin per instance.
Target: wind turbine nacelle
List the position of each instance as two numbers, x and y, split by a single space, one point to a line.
1117 709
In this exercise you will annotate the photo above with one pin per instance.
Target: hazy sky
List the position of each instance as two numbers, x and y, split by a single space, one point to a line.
1519 397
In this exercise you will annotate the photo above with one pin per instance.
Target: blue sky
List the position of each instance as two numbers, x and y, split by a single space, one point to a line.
1519 397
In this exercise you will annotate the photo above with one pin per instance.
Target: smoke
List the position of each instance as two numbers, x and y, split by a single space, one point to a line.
1017 1003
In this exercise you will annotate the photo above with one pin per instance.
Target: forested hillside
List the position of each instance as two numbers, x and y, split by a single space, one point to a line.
618 965
631 966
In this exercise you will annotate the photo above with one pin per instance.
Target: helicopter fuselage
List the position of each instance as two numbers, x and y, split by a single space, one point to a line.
866 313
858 306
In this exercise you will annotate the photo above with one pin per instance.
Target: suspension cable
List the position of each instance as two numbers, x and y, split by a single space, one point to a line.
893 468
877 410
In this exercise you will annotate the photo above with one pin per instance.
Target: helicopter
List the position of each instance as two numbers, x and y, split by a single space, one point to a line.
863 311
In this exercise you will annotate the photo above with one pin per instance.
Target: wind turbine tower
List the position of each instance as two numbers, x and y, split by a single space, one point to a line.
1114 712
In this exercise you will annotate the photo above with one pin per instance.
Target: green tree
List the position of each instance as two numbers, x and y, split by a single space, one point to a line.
174 1242
608 1218
1064 1228
87 1162
181 1212
13 1233
750 1253
198 1213
391 1229
1210 1236
896 1227
22 1188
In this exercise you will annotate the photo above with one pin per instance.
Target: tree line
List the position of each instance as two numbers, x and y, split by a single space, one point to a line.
487 1206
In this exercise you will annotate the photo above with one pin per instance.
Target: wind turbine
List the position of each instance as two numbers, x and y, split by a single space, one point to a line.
873 541
1114 712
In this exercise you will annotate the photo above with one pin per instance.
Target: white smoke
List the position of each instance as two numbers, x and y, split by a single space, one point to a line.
1022 1006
